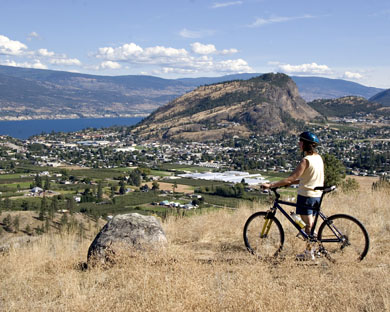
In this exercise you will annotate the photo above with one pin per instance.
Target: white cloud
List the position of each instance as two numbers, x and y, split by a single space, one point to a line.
350 75
32 35
218 5
45 52
234 66
228 51
160 51
11 47
200 48
122 53
174 70
36 64
190 33
65 61
204 49
312 68
167 60
195 34
134 53
110 65
278 19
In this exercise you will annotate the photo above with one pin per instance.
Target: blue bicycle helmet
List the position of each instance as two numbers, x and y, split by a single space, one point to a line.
309 137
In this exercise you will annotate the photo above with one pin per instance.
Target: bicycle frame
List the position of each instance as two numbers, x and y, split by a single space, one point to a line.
306 236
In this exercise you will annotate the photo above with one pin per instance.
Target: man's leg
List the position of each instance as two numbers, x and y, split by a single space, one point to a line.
309 220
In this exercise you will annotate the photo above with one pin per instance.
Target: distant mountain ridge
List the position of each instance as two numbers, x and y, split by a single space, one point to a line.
266 104
348 106
382 98
47 94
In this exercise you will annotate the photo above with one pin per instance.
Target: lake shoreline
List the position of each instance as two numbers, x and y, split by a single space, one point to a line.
23 129
73 116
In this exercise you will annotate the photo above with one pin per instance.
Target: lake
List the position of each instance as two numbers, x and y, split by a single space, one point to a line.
26 128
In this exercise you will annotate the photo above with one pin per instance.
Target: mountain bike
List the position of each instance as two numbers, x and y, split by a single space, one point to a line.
340 237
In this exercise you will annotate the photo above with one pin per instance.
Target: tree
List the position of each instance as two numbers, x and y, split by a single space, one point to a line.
25 205
239 190
155 186
64 220
43 209
28 229
334 170
135 178
144 188
174 186
53 207
100 192
7 203
38 181
113 190
70 205
87 196
7 223
349 185
122 188
16 223
46 186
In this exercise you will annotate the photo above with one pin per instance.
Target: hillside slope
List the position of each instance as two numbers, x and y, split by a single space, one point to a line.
266 104
345 106
204 267
37 94
382 98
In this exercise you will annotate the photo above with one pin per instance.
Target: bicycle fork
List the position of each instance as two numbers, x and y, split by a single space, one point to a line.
266 227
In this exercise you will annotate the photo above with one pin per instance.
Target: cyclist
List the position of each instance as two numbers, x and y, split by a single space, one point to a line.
308 174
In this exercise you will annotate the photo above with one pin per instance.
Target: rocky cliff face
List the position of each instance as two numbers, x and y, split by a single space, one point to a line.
266 104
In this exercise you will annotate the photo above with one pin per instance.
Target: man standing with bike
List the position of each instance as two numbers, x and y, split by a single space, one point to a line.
308 174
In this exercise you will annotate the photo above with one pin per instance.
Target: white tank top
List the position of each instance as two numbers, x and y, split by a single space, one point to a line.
312 176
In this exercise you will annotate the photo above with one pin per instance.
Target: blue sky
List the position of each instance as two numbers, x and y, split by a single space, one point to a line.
347 39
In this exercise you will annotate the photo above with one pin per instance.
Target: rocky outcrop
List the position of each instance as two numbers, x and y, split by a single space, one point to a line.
126 232
266 104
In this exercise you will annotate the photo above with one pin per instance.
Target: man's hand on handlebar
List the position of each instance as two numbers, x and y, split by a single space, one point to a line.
265 186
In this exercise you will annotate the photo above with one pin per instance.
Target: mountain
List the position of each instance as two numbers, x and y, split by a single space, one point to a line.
310 88
345 106
266 104
35 93
382 98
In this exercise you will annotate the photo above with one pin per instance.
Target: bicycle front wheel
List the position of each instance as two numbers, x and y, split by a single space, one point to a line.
344 238
263 235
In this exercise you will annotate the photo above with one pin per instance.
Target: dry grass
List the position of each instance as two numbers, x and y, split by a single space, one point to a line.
205 267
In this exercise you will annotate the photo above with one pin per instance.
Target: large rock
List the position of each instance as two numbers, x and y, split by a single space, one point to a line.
126 232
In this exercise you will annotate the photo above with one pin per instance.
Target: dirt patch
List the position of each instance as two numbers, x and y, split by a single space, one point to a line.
365 182
181 188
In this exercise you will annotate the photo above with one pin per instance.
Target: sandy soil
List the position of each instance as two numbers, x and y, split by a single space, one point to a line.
168 187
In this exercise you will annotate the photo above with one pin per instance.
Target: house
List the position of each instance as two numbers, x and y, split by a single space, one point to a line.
36 190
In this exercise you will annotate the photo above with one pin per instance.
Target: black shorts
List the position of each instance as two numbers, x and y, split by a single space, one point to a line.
304 203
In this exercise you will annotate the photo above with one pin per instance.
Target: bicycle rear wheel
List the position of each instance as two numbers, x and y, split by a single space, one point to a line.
344 238
263 236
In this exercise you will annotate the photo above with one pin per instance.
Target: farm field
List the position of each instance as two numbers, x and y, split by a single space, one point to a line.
204 267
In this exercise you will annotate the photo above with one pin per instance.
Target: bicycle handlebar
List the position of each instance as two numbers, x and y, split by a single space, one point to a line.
324 189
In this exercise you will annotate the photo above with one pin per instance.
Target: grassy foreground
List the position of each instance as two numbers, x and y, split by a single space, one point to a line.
205 267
